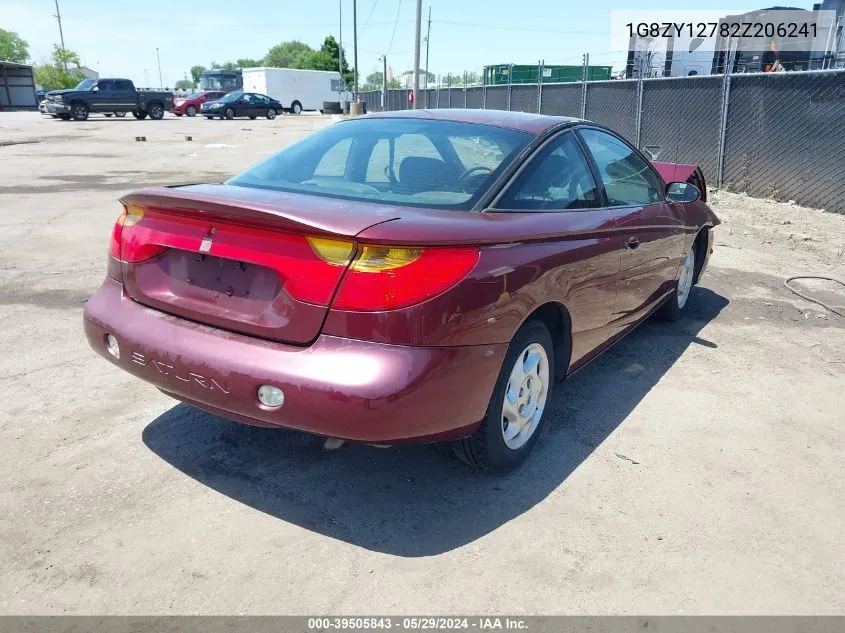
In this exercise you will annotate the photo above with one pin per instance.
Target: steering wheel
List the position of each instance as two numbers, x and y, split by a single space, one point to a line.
471 171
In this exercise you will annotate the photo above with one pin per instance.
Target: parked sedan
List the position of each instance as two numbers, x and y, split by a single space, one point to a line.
190 104
407 276
240 104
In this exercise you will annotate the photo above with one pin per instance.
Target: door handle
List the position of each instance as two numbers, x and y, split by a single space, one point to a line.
632 242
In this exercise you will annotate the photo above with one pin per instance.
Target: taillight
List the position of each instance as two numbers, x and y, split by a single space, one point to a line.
388 277
129 244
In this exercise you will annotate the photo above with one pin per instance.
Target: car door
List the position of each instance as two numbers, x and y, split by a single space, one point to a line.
580 251
125 99
652 230
103 97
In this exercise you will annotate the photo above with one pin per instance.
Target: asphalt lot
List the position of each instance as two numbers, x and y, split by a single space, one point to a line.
695 468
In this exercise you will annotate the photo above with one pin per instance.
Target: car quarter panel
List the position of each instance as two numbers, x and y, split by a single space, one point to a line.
526 260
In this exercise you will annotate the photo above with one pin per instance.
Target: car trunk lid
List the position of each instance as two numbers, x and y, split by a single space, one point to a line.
258 262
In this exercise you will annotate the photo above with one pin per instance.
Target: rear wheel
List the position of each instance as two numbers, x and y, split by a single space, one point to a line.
517 407
79 112
156 111
209 117
107 114
64 116
139 115
296 107
119 114
230 113
271 114
191 110
252 116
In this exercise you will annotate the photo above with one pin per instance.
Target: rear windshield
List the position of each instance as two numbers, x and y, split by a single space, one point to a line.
439 164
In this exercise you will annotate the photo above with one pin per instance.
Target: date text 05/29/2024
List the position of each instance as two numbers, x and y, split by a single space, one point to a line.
481 623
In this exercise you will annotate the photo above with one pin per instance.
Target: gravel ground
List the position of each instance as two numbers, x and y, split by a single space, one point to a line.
695 468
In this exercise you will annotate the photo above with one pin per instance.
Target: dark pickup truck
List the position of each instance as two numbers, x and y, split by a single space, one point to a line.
106 96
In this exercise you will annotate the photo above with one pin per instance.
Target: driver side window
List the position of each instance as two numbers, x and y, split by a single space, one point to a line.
557 179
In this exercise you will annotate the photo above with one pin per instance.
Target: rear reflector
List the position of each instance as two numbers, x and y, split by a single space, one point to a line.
388 278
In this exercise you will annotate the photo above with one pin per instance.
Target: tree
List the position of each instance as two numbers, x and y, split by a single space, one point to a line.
184 84
249 63
13 48
196 71
58 74
374 81
431 77
288 55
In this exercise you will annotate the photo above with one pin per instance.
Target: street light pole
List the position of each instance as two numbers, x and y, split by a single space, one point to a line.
427 42
384 83
160 80
58 16
417 54
355 44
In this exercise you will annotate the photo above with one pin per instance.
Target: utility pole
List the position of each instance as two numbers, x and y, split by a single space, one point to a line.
160 80
427 38
417 54
384 83
340 46
58 16
355 44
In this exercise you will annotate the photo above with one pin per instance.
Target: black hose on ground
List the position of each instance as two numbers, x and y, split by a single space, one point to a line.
810 299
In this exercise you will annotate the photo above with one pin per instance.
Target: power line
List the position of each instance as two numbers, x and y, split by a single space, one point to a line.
367 21
516 28
398 7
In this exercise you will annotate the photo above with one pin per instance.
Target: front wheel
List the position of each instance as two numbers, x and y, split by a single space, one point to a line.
119 114
156 111
271 114
673 307
296 107
139 115
517 407
230 113
79 112
191 110
64 116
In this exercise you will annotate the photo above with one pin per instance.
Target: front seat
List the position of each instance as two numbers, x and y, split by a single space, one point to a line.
418 174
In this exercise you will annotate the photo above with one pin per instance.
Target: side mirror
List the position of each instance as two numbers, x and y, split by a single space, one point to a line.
682 192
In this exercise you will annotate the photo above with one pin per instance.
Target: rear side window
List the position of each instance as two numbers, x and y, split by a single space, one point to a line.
557 179
123 85
407 161
628 179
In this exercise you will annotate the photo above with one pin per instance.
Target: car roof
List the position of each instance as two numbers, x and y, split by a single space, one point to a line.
524 121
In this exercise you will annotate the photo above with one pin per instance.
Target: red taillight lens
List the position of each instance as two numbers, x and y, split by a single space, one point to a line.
388 277
309 267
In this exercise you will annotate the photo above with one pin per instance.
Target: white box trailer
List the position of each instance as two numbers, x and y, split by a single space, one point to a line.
295 89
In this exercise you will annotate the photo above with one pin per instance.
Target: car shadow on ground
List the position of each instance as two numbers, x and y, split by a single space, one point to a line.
419 500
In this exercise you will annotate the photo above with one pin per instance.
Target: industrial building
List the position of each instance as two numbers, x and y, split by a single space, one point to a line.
17 86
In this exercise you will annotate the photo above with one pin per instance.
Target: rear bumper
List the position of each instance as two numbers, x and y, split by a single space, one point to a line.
336 387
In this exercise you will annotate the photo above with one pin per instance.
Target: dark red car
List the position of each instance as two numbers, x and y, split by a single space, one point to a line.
191 104
408 276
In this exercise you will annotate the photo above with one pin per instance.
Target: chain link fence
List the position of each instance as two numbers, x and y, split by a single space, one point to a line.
774 135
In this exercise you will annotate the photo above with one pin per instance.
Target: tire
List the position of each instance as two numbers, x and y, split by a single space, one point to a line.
79 112
139 115
296 107
119 114
271 114
107 115
673 307
191 110
156 111
500 445
229 114
178 113
252 116
209 117
64 116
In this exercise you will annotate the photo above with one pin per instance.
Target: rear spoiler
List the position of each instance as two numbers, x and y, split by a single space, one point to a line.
681 172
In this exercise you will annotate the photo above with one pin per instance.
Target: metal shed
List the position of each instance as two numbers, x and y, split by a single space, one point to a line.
17 86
